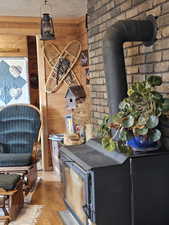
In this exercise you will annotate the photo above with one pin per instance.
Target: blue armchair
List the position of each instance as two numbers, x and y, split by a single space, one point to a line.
19 131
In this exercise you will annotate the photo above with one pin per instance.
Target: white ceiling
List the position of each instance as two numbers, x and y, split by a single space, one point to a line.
60 8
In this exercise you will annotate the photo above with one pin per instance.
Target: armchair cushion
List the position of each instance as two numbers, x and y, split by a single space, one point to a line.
9 181
15 159
1 148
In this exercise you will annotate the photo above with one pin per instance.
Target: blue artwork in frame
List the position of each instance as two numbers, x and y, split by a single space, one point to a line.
14 85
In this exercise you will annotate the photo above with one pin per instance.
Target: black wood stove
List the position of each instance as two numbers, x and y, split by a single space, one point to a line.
103 188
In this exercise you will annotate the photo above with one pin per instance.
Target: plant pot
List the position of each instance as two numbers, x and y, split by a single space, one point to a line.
142 145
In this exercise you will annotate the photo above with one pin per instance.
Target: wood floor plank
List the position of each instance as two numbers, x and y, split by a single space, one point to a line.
49 193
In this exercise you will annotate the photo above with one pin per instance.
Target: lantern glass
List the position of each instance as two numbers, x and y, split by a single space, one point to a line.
47 29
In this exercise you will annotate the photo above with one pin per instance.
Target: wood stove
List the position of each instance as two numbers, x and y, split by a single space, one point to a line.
103 188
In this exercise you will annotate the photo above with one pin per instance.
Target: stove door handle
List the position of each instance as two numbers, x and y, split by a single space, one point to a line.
86 210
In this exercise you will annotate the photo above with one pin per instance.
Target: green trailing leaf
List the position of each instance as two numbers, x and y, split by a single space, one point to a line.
157 96
116 118
154 81
141 131
142 120
124 106
123 135
165 105
128 122
152 121
155 135
108 144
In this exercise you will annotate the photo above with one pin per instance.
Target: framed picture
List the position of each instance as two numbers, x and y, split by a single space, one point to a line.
84 58
14 82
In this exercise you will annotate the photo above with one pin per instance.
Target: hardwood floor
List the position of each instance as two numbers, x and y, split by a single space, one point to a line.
49 194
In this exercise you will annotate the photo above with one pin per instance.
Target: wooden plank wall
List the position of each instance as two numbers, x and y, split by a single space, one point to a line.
13 45
52 106
56 101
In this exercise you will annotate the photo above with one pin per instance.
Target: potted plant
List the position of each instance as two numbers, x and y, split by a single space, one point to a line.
136 123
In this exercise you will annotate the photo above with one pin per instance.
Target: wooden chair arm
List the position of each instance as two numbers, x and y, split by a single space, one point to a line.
36 151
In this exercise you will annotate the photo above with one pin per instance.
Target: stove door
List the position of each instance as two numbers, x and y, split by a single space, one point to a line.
76 191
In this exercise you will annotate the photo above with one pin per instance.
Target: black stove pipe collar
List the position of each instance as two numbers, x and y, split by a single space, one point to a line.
114 64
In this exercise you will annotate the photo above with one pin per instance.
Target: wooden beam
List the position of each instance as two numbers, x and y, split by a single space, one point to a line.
43 104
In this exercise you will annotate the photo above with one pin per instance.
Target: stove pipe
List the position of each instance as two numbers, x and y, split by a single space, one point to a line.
114 64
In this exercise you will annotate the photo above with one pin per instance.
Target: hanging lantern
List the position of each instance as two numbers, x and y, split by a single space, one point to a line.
47 28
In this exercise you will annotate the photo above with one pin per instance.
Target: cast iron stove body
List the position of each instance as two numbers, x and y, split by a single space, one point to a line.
115 189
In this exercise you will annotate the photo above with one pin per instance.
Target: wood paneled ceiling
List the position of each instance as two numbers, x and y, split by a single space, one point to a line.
31 8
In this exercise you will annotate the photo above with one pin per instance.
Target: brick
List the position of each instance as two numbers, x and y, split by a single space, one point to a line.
105 94
103 102
92 68
99 81
140 16
110 5
165 55
146 5
163 20
126 5
139 59
101 11
106 110
155 12
132 12
115 12
132 51
91 54
97 5
117 2
93 94
90 40
99 37
165 8
99 51
132 69
93 31
122 16
104 1
101 109
99 66
138 78
128 44
102 27
93 60
165 31
129 78
136 2
165 77
163 88
161 67
100 95
128 61
157 2
145 49
162 44
154 57
97 114
158 35
146 68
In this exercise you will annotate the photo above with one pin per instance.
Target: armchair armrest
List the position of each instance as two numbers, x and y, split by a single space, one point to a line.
36 152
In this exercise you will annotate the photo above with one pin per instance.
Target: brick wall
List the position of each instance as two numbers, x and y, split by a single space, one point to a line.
140 61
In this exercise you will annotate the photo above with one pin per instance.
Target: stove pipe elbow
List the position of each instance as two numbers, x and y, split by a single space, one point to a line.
114 64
